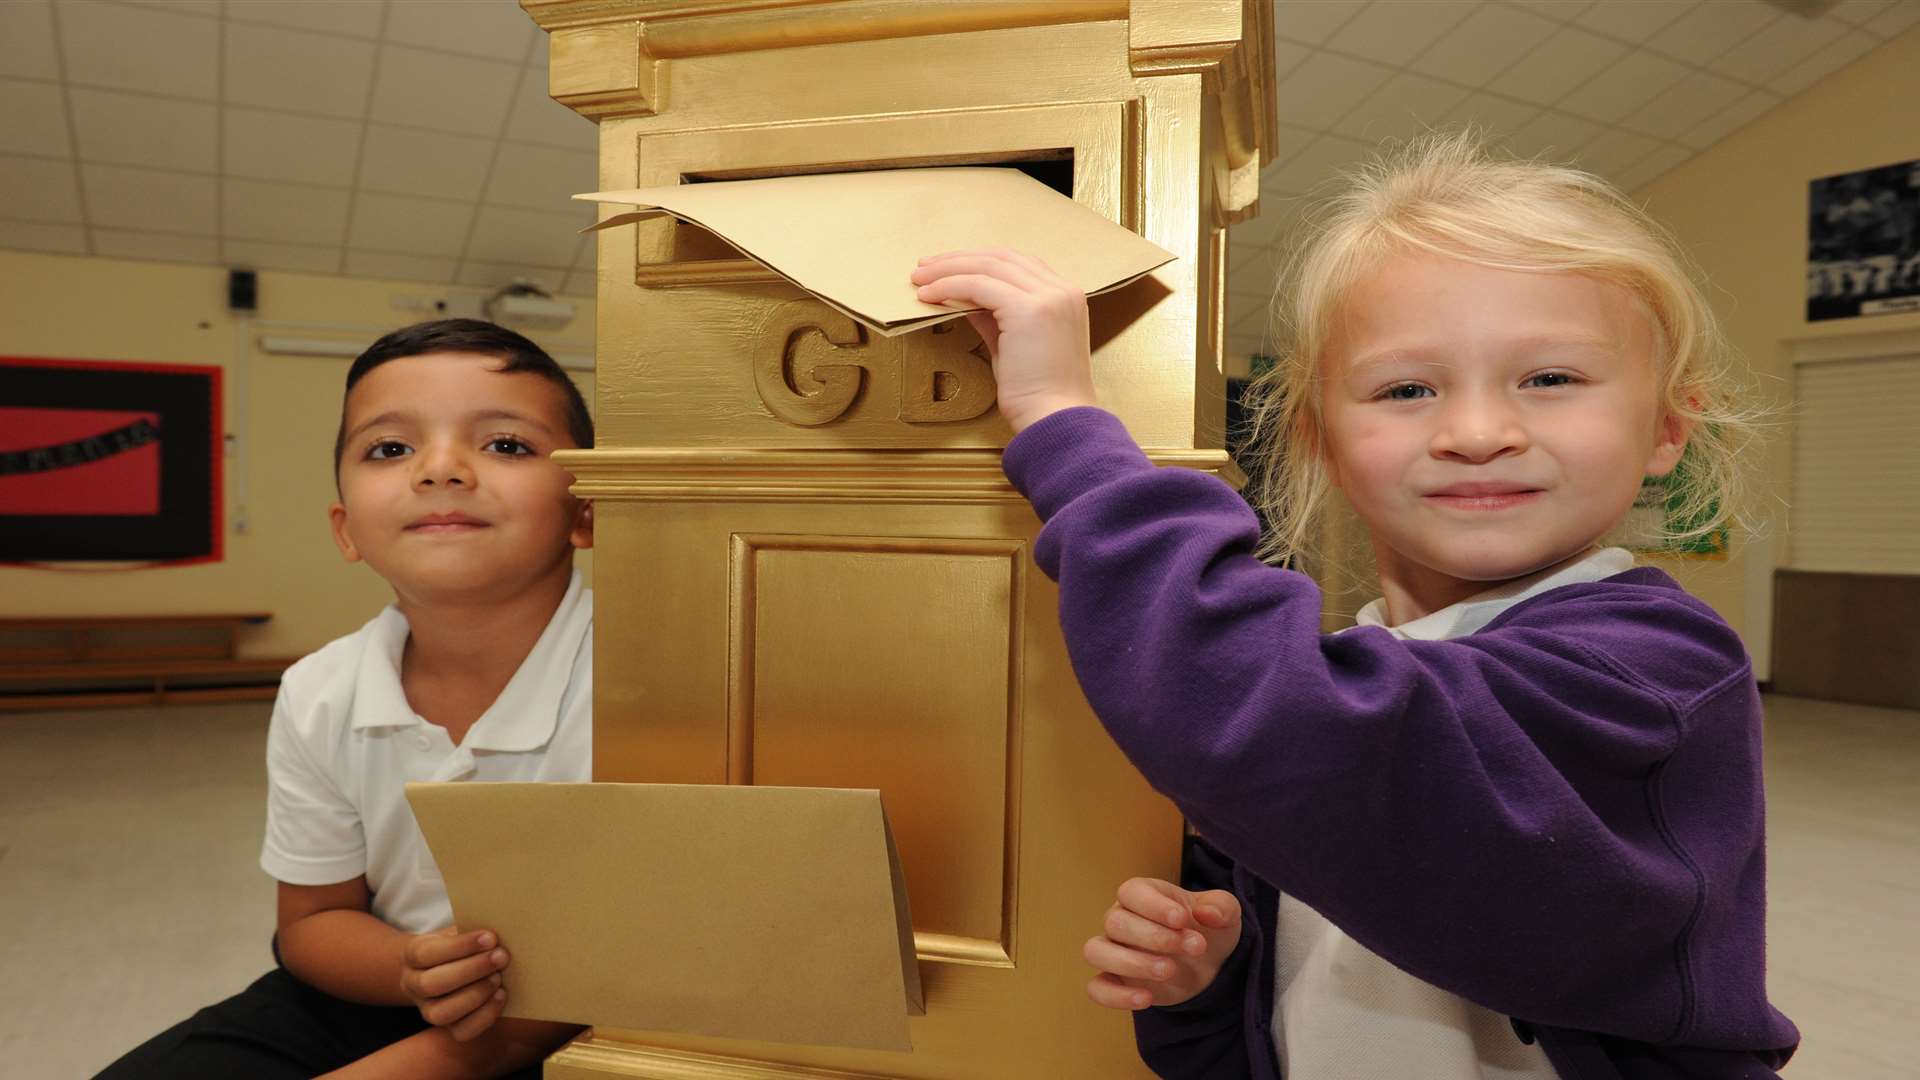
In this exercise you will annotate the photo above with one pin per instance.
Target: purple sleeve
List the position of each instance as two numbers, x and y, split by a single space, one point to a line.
1482 812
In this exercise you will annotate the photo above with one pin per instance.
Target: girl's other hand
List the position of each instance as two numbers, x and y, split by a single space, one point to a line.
1162 945
1035 327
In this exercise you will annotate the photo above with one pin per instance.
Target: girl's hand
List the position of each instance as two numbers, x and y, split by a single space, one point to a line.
1035 327
1162 944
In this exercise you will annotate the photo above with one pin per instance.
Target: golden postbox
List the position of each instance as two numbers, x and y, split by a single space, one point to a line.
810 570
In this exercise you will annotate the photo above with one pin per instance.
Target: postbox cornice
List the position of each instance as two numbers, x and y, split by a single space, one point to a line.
828 475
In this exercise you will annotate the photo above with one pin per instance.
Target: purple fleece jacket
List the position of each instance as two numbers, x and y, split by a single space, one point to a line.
1558 817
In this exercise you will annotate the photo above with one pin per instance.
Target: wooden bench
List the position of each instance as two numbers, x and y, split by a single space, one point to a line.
84 661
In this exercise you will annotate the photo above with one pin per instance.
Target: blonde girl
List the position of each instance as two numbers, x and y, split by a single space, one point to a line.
1510 825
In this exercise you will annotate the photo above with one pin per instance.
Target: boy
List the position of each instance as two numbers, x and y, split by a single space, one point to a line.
481 670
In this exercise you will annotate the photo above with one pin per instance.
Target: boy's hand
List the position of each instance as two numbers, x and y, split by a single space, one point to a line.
1162 944
1035 327
453 978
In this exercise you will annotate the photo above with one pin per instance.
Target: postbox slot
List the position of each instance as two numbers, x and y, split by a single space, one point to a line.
1053 167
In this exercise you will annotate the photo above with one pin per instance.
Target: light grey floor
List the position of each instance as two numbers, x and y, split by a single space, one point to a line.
130 894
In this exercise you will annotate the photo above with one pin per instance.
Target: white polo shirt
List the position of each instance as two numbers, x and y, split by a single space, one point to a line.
344 743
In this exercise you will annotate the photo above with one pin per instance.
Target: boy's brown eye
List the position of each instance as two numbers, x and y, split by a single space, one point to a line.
387 451
511 447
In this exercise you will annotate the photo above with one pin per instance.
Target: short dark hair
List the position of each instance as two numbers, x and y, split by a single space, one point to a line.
468 336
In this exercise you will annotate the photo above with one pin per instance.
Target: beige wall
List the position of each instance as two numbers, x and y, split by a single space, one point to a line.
284 409
1741 211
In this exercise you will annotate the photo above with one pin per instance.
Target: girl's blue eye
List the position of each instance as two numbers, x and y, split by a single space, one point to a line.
1405 392
388 450
508 446
1550 378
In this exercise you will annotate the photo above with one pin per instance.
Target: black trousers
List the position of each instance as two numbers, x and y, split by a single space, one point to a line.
277 1029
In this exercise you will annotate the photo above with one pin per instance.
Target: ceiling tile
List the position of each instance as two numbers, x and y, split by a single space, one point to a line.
124 198
39 190
399 224
1405 106
165 247
542 179
1613 150
1552 136
1490 41
1651 167
538 118
424 163
1616 92
136 129
1711 29
1561 63
34 120
132 48
355 18
1499 117
1251 263
1286 56
1780 46
1312 22
1292 140
261 255
35 236
1684 105
1560 10
444 93
497 29
527 237
1278 213
1318 162
1326 87
580 283
263 145
1634 20
589 254
258 210
1896 19
299 71
489 275
206 8
385 264
1731 119
26 40
1859 11
1851 46
1395 31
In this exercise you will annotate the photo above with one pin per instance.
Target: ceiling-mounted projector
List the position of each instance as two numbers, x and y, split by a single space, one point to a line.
525 304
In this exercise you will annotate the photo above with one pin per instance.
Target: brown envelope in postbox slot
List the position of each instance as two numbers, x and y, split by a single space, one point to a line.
763 913
851 239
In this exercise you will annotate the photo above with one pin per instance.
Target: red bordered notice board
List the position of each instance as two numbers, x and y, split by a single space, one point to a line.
108 461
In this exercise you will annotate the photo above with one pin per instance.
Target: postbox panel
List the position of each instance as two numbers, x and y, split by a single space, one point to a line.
890 662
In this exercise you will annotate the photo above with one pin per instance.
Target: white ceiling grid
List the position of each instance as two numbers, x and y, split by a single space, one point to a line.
413 139
1626 88
407 139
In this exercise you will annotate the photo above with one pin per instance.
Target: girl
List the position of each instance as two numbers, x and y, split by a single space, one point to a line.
1511 824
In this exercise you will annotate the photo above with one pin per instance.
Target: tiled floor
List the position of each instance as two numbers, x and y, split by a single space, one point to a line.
130 894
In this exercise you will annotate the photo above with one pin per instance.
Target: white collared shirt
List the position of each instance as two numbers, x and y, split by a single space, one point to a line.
344 743
1339 1009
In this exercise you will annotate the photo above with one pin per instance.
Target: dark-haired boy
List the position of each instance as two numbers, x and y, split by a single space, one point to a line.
480 670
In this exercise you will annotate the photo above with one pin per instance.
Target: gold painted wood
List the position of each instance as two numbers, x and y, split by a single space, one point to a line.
810 568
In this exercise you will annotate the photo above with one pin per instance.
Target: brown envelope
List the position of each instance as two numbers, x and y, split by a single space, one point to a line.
852 238
762 913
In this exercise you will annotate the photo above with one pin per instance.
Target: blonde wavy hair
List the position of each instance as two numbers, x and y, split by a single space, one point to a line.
1449 195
